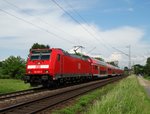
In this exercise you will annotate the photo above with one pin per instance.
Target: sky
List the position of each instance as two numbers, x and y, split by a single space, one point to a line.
103 27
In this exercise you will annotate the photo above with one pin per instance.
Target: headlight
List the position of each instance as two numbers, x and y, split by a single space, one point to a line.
46 71
29 71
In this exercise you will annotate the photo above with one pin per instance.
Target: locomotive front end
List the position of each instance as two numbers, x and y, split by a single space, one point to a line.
38 67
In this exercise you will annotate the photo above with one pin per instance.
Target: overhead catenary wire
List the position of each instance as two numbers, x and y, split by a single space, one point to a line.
70 6
84 20
91 50
47 23
43 21
100 37
53 26
88 24
17 7
36 26
93 36
108 45
84 28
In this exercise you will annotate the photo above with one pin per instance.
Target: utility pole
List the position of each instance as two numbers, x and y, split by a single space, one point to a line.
129 55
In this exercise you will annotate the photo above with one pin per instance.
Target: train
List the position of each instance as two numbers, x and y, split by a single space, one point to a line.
47 67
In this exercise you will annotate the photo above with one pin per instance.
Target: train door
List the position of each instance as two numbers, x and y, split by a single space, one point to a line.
60 64
99 71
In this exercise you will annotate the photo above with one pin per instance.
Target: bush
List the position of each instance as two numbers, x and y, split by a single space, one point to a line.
14 67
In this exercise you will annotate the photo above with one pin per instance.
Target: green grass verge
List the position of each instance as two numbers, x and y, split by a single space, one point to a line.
147 77
128 97
125 97
11 85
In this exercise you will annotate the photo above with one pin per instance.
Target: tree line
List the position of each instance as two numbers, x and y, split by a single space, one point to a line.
142 69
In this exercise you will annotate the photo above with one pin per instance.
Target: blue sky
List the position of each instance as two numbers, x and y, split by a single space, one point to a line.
112 23
110 14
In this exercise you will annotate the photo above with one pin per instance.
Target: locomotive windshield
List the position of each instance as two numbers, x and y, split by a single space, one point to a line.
34 57
40 55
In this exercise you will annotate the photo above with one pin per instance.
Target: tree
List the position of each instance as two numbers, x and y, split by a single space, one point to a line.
126 70
14 67
114 63
147 66
0 63
39 46
138 69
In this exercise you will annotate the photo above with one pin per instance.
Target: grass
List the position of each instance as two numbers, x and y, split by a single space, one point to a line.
128 97
11 85
147 77
125 97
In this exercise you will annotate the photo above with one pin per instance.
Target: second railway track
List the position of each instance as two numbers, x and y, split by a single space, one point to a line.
19 93
55 97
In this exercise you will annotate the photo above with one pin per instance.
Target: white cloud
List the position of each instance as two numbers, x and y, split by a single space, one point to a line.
114 57
124 35
18 35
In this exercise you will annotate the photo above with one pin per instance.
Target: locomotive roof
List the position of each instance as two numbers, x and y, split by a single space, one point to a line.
95 61
83 57
111 66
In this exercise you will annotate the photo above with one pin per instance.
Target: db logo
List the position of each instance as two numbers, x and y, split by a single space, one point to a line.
37 71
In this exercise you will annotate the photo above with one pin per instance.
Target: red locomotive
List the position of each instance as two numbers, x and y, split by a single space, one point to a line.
48 66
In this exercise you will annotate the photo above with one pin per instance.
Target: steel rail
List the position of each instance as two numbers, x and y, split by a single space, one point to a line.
19 93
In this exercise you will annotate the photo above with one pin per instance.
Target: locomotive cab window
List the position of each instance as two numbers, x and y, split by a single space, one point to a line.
45 57
35 57
40 55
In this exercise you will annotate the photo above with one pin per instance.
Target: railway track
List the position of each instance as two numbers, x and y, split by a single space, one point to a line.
19 93
54 98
